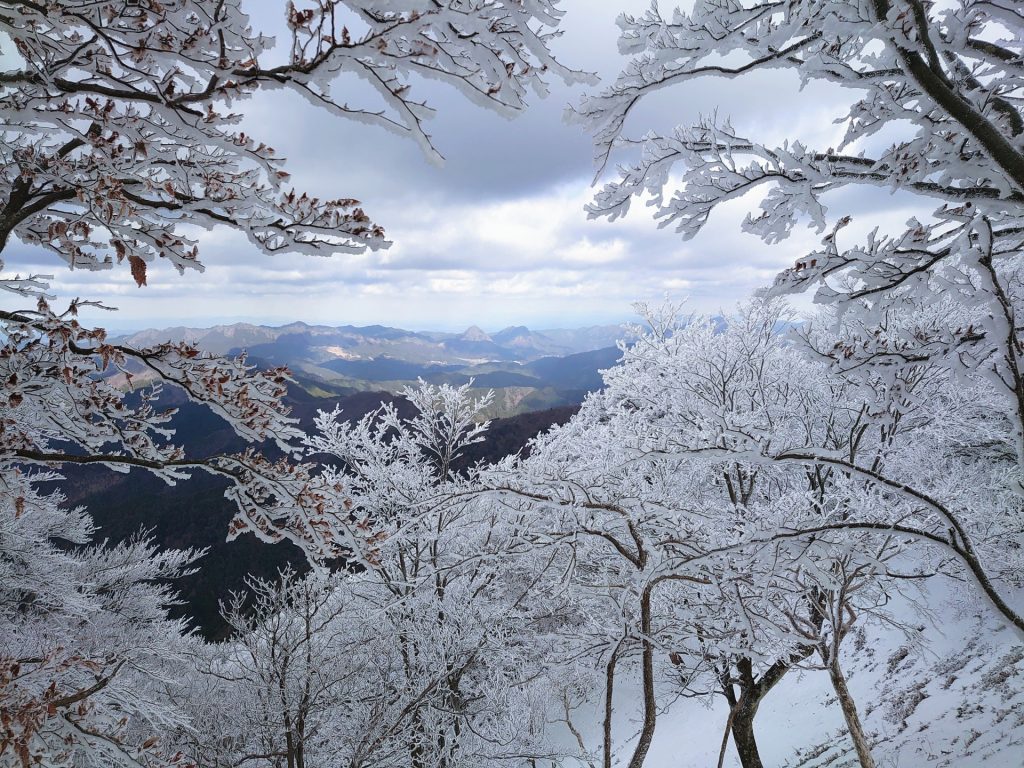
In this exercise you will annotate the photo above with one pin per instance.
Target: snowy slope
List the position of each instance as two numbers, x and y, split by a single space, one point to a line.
949 694
958 701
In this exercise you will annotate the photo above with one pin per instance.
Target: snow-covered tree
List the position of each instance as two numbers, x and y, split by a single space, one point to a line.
83 636
300 665
705 568
936 111
640 523
434 653
119 121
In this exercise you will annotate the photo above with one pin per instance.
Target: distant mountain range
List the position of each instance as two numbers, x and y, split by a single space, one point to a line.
324 342
528 370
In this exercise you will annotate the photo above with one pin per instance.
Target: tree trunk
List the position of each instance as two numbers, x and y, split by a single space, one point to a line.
743 733
609 697
860 740
643 744
289 748
417 752
752 693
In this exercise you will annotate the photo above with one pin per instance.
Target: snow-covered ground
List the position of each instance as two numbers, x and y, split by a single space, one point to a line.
957 699
950 693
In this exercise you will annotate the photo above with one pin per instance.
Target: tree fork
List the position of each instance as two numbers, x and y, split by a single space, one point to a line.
940 90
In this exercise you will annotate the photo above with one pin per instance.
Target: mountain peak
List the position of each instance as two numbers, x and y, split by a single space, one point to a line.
474 333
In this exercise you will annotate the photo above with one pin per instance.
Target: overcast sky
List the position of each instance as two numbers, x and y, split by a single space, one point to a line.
498 235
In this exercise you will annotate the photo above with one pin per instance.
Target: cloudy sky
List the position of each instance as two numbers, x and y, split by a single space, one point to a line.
497 235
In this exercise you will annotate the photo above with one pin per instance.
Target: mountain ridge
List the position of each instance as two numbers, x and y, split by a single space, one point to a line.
528 370
530 344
